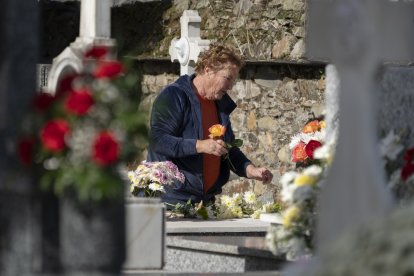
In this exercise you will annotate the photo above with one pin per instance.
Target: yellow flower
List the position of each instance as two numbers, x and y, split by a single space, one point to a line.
322 124
290 216
303 180
216 131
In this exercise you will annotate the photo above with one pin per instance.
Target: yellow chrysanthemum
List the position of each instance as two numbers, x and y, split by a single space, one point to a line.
322 124
290 216
303 180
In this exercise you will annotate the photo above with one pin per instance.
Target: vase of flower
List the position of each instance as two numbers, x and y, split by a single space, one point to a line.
92 235
80 139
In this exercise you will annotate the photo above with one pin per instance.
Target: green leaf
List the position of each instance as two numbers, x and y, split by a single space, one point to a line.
237 143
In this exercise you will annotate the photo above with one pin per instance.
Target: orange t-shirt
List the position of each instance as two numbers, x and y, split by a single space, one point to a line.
211 163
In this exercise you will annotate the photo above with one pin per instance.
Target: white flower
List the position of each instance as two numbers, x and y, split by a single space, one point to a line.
287 193
306 137
250 197
156 187
390 146
312 170
288 178
303 193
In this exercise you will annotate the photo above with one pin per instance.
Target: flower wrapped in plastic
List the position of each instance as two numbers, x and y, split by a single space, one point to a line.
149 178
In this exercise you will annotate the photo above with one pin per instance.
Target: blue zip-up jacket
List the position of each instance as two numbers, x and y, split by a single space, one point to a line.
174 129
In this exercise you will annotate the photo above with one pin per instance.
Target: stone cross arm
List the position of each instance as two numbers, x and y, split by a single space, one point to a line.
336 26
186 49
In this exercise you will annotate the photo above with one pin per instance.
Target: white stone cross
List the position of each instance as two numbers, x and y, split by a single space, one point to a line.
357 36
94 29
186 49
95 19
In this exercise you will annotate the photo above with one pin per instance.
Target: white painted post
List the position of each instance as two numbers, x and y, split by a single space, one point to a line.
357 36
95 19
186 49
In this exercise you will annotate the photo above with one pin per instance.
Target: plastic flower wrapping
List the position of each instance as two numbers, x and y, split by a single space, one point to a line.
83 135
149 178
238 205
312 154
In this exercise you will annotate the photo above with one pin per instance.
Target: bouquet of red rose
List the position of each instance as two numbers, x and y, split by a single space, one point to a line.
307 141
83 135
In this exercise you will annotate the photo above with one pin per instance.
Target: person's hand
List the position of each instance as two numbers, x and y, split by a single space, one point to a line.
210 146
262 174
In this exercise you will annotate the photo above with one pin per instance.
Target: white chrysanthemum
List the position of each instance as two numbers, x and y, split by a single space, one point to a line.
256 214
267 207
303 193
288 178
250 197
390 146
226 200
287 193
296 139
395 178
312 170
323 153
156 187
80 142
237 198
306 137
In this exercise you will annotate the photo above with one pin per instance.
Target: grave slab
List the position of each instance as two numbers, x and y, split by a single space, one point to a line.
219 246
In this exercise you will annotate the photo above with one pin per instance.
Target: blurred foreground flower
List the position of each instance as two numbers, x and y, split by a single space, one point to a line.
82 137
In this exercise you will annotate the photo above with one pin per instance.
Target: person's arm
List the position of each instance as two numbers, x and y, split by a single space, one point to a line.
262 174
244 167
167 118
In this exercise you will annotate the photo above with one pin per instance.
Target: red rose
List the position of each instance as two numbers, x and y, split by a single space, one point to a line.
407 171
53 135
96 52
409 154
25 150
79 102
42 101
108 69
311 146
105 149
298 153
65 84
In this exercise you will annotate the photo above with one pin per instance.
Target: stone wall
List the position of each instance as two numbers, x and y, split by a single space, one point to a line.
259 29
278 90
274 101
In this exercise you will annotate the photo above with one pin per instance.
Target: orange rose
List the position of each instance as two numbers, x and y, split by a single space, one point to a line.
216 131
311 127
299 153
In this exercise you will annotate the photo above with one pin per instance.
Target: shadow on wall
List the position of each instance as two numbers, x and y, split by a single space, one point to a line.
137 27
59 26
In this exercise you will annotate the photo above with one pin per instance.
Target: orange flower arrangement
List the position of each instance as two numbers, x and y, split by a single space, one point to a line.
313 126
305 143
